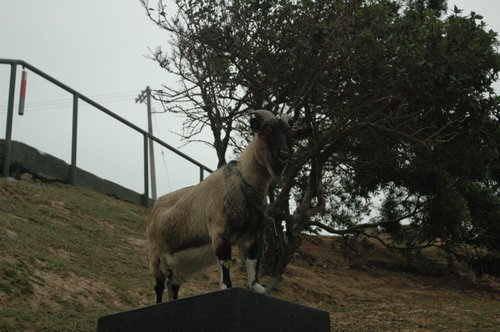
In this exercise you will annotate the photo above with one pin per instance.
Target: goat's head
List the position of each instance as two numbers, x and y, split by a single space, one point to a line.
275 137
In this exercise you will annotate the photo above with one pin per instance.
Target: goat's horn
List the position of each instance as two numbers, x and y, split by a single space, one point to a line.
263 114
285 117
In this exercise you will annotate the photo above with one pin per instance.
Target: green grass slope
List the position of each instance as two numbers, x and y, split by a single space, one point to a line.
69 255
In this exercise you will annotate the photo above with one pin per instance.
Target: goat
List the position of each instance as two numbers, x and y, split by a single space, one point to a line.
190 226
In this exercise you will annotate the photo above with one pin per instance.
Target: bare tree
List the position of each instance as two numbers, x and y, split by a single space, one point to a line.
384 89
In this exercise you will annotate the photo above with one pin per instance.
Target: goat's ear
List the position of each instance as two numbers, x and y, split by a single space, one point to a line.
299 134
258 117
255 123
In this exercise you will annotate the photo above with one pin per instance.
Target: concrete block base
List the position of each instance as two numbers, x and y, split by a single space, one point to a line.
234 309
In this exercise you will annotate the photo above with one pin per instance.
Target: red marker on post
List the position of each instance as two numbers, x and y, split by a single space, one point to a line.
22 94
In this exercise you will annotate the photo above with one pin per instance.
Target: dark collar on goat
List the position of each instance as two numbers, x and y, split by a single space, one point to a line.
250 193
248 190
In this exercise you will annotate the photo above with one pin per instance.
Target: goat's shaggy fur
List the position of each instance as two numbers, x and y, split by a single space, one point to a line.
195 227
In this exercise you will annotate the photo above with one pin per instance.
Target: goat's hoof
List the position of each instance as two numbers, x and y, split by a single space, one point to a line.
258 288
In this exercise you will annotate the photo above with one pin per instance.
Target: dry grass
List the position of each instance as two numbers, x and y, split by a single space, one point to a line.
69 255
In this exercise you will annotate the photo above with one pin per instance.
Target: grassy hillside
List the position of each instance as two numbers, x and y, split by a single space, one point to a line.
69 255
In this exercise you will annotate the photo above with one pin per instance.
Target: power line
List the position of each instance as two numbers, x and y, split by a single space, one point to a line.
108 97
55 104
97 96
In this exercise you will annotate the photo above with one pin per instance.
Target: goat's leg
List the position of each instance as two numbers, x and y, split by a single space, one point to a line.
159 287
250 256
172 290
222 247
155 270
160 279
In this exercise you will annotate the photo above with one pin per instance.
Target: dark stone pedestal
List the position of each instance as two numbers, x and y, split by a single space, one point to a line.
234 309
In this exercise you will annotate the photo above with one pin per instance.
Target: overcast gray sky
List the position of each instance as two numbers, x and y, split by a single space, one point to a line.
98 48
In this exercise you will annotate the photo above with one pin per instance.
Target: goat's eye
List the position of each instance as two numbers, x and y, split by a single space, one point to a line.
267 130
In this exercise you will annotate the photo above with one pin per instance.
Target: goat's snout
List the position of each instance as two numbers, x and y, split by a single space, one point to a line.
283 154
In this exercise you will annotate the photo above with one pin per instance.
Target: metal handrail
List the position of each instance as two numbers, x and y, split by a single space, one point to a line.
79 96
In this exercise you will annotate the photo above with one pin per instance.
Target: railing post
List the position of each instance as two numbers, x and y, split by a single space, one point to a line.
74 139
145 198
10 115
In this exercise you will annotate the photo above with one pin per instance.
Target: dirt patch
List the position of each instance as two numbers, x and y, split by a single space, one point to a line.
61 253
11 234
140 244
59 206
54 290
3 299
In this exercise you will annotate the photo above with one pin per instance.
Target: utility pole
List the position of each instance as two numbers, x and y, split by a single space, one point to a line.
146 95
